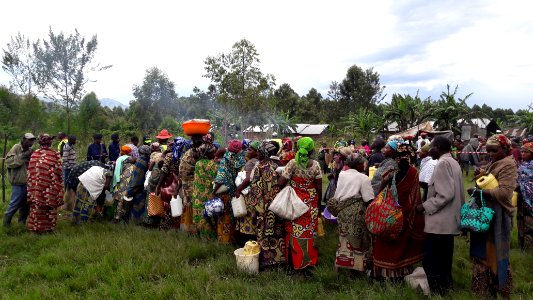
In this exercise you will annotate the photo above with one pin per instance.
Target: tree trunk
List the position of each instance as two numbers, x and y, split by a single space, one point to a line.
3 168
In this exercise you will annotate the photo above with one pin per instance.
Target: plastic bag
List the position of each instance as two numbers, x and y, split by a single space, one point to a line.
288 205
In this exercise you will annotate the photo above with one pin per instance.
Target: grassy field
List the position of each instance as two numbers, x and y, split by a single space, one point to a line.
103 260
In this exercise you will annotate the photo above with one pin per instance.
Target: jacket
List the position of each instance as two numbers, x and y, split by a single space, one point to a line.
446 196
17 165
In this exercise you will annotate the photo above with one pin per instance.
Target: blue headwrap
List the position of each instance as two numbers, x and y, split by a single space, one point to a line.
179 148
245 144
393 144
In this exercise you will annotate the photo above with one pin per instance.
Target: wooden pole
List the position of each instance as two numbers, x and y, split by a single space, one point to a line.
3 168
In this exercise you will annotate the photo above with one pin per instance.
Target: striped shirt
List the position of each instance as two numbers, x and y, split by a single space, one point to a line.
69 156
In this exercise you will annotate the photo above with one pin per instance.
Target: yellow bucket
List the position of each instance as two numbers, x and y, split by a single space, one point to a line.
371 172
251 248
514 200
487 182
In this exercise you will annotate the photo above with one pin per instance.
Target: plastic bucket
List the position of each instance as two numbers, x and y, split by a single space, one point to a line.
371 172
247 263
328 216
487 182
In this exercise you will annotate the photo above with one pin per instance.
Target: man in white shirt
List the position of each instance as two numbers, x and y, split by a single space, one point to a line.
427 164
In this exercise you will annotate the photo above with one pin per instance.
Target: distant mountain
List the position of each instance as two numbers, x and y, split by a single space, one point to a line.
111 103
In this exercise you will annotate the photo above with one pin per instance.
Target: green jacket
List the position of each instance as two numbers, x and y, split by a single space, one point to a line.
16 162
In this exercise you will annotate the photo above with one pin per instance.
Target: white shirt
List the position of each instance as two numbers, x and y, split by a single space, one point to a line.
427 165
353 184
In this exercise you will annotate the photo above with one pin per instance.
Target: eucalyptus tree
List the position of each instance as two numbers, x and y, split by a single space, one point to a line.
63 64
18 60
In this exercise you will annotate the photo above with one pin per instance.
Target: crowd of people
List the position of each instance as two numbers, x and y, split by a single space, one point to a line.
134 182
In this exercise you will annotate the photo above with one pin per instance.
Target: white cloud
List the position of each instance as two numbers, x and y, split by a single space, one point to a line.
483 46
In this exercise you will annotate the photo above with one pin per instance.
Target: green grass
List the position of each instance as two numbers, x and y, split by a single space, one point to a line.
103 260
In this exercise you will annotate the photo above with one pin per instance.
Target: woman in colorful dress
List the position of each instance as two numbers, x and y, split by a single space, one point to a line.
394 258
525 198
205 171
92 184
305 176
247 226
354 192
264 188
490 251
386 166
45 187
228 168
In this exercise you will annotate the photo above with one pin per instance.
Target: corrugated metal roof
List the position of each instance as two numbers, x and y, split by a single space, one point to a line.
304 129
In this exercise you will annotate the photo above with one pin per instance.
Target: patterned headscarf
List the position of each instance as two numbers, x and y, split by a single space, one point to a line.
208 138
499 140
178 148
528 147
305 145
234 146
205 149
346 151
267 149
405 152
355 158
45 140
245 144
144 150
125 150
255 145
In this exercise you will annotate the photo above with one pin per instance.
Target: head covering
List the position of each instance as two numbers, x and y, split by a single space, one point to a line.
393 144
499 140
426 147
406 152
45 140
208 138
144 149
206 148
234 146
305 145
340 143
29 136
178 148
287 144
164 134
345 151
125 150
255 145
155 146
245 144
267 149
147 140
528 147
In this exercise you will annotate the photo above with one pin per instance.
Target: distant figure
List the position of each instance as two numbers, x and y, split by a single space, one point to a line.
134 142
17 160
162 139
427 165
69 156
63 140
114 147
97 150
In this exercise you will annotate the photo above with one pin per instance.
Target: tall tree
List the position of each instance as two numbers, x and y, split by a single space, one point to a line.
286 100
360 88
18 61
523 118
155 98
91 115
63 65
239 83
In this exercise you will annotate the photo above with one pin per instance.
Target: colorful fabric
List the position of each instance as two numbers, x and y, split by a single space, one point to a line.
125 176
204 173
170 166
84 206
225 224
524 222
525 182
386 166
228 168
234 146
528 147
499 140
301 233
118 170
45 140
248 224
178 148
483 282
186 173
270 235
69 156
394 258
94 180
304 145
125 150
267 149
45 187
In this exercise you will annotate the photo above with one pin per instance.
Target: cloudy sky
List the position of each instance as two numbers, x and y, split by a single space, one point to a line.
484 47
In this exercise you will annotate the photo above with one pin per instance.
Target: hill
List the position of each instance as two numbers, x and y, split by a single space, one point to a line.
112 103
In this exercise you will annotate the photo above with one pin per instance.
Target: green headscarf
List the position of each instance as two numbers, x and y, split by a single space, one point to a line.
305 145
255 145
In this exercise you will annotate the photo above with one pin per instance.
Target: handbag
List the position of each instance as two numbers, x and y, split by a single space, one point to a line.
155 206
474 218
384 216
288 205
238 207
